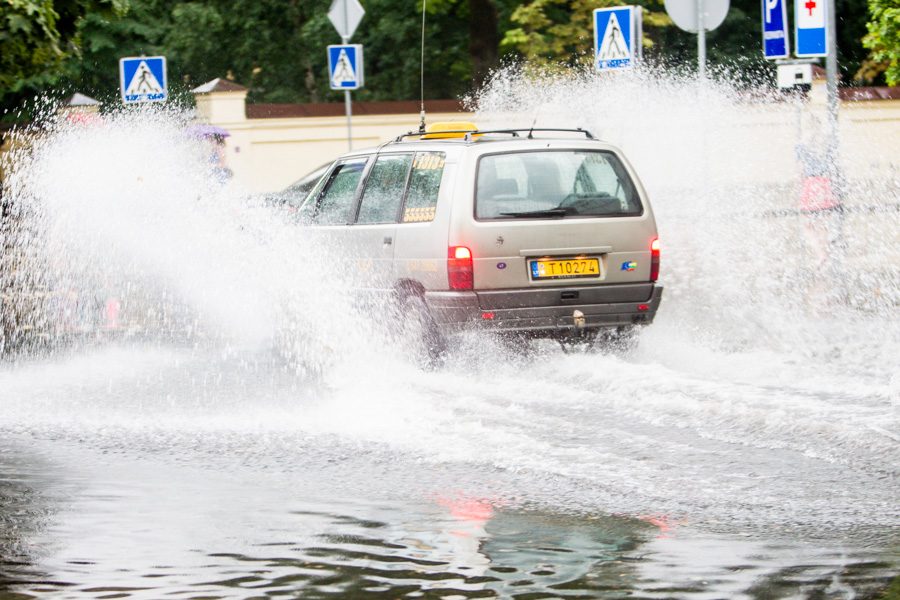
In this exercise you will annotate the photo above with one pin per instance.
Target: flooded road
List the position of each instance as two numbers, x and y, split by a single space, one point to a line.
256 436
173 472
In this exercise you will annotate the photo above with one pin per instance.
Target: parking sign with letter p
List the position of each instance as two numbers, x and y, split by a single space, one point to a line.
775 29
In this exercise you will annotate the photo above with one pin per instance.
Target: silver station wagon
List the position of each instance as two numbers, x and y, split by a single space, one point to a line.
540 233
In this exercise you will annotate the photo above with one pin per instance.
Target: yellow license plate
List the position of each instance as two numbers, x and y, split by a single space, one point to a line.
565 269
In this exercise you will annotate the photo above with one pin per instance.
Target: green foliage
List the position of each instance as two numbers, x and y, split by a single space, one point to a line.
274 47
883 38
30 47
277 47
103 34
40 41
561 31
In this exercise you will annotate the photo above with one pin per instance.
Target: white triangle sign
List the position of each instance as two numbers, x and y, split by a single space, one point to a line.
143 82
613 47
343 71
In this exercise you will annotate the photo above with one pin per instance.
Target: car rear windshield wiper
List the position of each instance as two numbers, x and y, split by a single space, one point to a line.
549 212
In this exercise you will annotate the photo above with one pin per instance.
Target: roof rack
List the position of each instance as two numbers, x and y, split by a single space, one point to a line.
469 134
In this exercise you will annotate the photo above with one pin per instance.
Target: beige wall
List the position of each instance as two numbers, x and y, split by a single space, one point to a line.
269 154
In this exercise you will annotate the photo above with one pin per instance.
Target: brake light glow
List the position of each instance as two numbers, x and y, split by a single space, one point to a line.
643 307
459 268
654 259
461 252
487 316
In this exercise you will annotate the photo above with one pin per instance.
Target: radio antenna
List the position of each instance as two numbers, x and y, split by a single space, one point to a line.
422 75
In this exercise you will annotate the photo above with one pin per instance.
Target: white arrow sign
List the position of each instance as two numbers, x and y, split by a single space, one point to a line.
345 15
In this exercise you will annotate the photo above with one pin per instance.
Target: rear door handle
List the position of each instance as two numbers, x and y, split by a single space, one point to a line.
388 241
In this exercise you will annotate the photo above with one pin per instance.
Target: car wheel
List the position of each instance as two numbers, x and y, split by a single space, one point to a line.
425 340
618 340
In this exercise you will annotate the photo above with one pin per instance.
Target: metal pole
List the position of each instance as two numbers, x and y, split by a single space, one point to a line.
701 40
831 73
639 37
348 106
348 103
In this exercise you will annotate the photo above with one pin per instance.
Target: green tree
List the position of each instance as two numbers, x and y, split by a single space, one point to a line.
103 34
561 31
39 41
277 48
883 40
31 50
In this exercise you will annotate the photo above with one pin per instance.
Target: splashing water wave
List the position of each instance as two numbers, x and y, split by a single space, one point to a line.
763 385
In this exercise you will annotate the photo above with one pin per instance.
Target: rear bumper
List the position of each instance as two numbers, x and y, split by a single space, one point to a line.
546 311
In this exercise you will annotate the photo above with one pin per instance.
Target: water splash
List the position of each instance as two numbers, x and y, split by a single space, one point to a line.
749 399
123 213
744 270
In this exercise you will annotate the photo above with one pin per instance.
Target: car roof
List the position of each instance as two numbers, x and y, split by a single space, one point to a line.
491 141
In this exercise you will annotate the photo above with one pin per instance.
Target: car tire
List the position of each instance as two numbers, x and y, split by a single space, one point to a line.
619 340
428 344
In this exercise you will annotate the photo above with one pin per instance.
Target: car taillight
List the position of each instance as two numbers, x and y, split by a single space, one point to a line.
654 259
459 268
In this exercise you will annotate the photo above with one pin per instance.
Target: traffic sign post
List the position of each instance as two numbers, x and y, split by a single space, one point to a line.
698 16
775 29
345 15
615 33
143 79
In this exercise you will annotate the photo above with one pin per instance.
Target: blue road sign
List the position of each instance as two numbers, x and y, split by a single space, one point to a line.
775 29
614 38
345 66
143 79
810 29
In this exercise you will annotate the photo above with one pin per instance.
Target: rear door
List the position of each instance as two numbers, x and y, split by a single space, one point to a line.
330 209
372 240
557 217
421 249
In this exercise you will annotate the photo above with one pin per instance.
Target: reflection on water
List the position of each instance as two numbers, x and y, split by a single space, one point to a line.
87 524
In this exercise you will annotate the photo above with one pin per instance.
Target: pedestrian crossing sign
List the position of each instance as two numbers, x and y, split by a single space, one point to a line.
143 79
345 66
614 38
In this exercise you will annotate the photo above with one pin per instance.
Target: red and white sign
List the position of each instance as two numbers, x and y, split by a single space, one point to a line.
810 14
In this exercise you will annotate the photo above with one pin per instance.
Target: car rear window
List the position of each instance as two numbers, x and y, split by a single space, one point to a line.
554 184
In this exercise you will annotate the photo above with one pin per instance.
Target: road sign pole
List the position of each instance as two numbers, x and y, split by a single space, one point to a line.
831 72
701 41
345 15
699 17
348 108
831 88
348 101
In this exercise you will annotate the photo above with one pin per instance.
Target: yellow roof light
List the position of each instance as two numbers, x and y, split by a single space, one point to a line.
444 130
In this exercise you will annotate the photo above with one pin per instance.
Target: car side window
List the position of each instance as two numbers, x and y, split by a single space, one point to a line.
424 185
336 202
383 192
